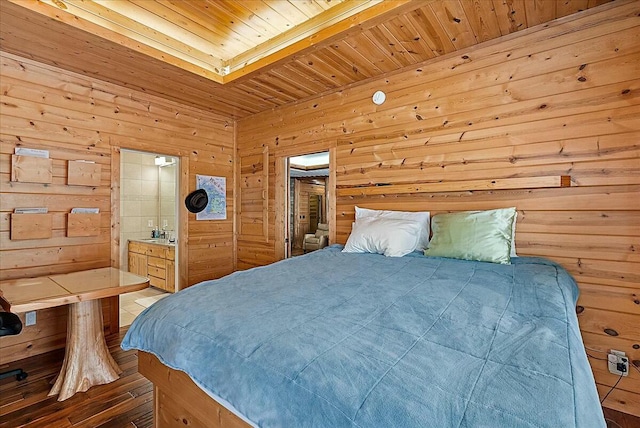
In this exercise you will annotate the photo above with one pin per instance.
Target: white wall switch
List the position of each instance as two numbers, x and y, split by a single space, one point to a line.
150 223
30 318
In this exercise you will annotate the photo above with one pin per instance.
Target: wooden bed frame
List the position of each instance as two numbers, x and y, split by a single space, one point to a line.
179 402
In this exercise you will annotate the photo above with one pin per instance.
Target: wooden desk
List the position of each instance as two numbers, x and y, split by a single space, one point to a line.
87 360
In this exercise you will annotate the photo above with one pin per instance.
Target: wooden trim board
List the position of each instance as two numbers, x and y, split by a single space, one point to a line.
452 186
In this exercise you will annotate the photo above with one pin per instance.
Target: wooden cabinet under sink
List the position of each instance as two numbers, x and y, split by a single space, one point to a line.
154 260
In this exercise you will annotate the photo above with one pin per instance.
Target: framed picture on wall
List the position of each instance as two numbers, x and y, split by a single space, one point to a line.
216 188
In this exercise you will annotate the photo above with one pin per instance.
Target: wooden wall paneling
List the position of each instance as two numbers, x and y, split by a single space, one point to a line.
253 192
619 248
619 399
611 298
457 125
605 222
78 117
65 118
282 205
629 383
500 151
542 102
66 91
495 53
210 246
47 334
598 345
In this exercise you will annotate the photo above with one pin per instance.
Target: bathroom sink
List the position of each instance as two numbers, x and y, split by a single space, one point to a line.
155 240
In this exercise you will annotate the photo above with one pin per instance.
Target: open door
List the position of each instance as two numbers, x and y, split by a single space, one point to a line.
306 192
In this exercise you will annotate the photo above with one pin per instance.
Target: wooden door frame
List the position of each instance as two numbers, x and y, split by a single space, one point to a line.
282 188
182 220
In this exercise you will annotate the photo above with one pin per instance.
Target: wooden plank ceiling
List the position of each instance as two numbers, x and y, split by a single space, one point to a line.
240 57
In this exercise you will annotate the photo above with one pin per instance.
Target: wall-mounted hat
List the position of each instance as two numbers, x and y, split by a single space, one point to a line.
197 200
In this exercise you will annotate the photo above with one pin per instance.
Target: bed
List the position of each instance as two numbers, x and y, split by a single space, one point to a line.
334 339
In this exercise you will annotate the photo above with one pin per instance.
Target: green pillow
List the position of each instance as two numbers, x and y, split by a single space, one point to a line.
473 235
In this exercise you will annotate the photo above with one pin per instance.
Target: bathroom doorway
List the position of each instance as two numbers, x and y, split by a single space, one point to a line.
149 209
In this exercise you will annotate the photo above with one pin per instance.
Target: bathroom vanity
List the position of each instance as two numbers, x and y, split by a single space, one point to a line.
155 259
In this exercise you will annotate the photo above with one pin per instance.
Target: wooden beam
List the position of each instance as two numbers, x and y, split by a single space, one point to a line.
307 29
457 186
95 21
317 33
121 24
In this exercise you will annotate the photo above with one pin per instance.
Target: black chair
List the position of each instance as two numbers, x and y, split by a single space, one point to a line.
10 324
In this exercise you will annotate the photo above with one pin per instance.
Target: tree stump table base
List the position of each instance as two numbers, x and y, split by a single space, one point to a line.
87 360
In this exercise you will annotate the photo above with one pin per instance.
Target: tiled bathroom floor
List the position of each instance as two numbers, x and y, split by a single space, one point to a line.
129 309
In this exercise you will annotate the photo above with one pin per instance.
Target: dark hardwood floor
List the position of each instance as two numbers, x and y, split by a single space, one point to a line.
127 402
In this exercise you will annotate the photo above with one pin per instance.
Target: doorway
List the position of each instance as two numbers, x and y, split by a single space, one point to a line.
149 188
308 208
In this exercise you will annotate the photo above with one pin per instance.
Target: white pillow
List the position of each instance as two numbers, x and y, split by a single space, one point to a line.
391 237
421 217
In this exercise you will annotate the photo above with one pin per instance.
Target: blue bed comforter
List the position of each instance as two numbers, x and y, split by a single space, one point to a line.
332 339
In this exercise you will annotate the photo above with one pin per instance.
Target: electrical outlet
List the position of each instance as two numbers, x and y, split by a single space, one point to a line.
618 363
30 318
149 223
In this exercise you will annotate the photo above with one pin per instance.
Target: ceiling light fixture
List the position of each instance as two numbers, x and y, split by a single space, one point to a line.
379 97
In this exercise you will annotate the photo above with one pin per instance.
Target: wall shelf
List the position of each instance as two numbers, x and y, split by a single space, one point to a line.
81 173
30 226
31 169
83 224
